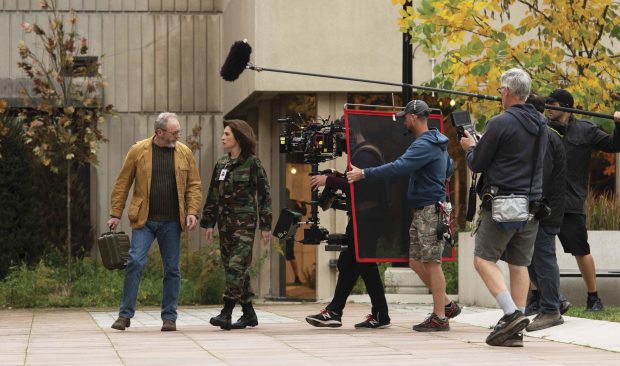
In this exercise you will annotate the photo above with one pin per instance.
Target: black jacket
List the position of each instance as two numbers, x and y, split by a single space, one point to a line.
554 178
580 139
506 152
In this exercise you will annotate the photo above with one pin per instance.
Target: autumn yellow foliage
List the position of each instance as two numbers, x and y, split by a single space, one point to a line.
570 44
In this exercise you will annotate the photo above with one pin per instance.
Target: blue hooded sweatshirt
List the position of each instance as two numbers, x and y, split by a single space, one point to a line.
427 163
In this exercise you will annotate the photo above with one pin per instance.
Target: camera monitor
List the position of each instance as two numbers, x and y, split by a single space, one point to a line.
461 120
381 212
287 225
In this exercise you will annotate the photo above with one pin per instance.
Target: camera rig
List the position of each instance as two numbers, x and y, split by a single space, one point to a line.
314 142
317 140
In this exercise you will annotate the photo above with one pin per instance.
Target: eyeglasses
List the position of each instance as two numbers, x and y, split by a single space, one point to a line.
501 89
176 133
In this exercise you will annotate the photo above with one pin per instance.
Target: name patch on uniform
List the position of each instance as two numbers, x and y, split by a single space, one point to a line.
223 174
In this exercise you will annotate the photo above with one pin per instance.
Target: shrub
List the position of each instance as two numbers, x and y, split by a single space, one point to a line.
50 191
21 237
451 272
44 284
602 212
360 288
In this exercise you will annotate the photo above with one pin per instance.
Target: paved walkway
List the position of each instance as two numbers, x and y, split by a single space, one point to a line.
82 337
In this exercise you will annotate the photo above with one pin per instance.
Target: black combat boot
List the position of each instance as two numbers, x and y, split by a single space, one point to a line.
248 319
224 320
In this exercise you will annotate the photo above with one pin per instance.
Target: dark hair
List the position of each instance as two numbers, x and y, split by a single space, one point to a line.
537 101
244 135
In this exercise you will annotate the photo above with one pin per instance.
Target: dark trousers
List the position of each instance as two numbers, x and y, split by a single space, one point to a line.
350 270
544 271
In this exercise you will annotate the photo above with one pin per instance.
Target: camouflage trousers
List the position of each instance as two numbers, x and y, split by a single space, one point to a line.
423 243
236 252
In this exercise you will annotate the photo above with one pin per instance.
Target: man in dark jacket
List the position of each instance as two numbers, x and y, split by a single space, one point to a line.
580 139
544 271
510 153
427 164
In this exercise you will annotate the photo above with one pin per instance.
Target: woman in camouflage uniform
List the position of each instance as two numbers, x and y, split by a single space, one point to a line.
239 189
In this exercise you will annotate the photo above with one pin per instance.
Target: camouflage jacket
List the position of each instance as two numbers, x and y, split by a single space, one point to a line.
238 187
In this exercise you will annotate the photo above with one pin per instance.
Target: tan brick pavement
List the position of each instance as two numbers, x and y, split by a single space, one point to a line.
74 337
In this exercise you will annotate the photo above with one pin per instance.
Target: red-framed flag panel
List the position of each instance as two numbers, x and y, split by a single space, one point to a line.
380 211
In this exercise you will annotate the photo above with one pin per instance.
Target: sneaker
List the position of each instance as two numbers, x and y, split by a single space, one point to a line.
433 324
506 327
325 318
564 306
372 323
452 310
297 281
594 303
121 323
544 321
533 304
515 340
170 325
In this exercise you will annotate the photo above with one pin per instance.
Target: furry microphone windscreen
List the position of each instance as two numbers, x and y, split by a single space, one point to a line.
237 59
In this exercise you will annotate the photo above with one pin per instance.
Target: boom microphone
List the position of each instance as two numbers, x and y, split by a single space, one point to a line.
237 60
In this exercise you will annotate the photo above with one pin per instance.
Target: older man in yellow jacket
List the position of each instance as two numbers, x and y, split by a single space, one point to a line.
166 198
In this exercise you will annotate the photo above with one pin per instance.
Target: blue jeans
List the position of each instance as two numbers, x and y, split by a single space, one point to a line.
544 271
168 234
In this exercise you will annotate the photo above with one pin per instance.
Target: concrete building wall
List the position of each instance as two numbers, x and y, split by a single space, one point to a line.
166 54
354 38
156 55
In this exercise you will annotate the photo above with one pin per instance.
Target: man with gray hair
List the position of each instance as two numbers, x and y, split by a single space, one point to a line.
166 198
510 153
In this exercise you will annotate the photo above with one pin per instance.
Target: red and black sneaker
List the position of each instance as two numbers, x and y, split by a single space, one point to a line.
433 324
325 318
452 310
372 323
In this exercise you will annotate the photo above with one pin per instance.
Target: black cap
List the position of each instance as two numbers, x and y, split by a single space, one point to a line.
417 107
561 96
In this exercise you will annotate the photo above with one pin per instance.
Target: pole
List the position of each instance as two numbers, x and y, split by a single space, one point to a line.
426 88
407 67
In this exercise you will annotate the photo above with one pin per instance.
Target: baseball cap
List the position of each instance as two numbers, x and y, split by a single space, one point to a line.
561 96
417 107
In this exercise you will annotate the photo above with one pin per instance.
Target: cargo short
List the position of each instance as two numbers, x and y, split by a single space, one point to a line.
423 243
514 247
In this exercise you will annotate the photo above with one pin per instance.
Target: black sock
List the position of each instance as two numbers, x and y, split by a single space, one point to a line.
593 294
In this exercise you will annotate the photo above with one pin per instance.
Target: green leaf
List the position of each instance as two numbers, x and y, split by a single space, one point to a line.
427 8
475 47
481 69
615 33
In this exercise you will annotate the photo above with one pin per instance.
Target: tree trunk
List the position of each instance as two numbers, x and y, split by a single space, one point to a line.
69 224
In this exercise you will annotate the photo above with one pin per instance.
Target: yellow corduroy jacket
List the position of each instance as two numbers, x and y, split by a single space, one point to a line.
138 167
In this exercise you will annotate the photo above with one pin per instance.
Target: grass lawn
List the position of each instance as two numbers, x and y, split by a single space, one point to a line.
609 313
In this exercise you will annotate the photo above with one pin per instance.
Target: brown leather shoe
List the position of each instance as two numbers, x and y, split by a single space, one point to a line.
121 323
169 325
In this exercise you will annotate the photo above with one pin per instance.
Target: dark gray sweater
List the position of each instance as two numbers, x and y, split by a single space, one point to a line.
505 153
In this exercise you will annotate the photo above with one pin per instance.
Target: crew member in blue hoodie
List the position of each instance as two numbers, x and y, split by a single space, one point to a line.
427 164
512 164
